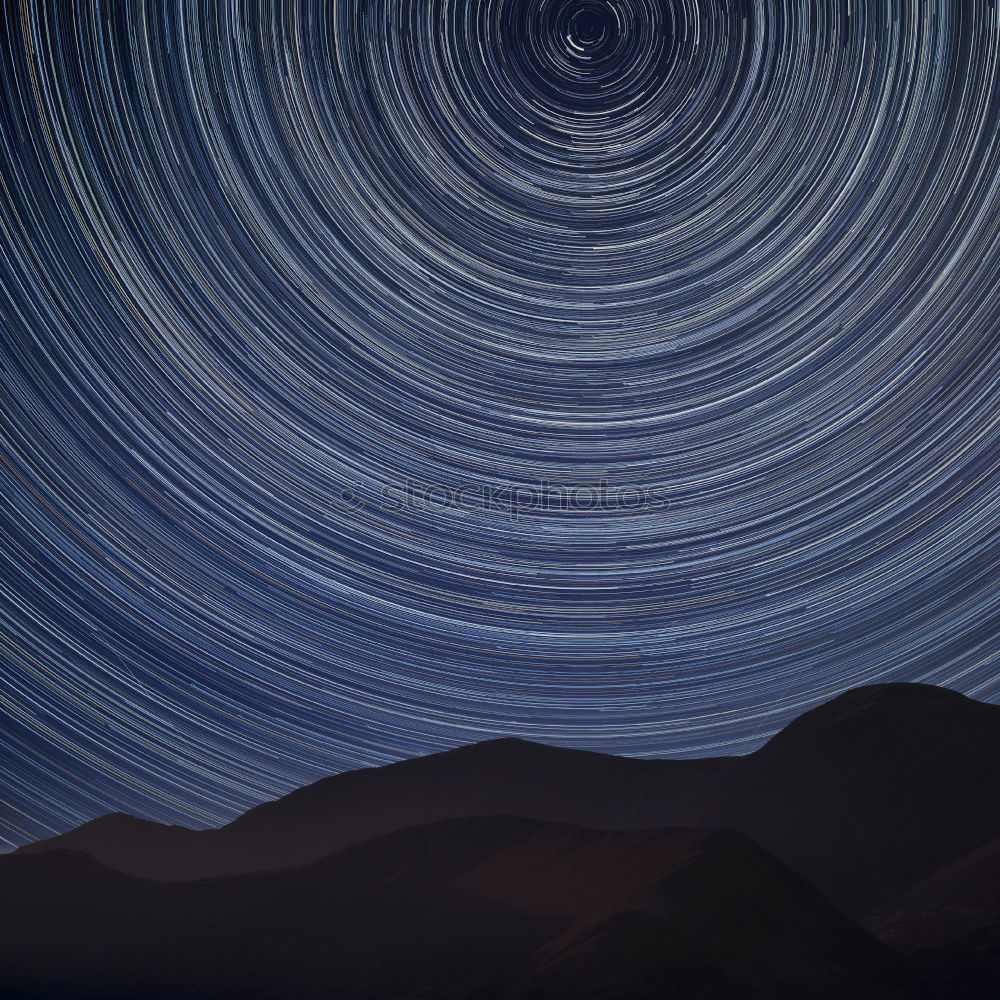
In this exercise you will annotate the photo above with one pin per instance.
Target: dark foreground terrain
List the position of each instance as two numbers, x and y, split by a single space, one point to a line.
856 854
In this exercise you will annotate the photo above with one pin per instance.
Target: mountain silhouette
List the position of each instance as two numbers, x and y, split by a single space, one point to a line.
505 776
866 796
500 907
871 792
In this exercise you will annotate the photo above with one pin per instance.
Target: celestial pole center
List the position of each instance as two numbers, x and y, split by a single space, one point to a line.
378 377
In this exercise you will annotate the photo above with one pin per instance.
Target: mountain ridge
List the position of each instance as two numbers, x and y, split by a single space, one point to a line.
839 794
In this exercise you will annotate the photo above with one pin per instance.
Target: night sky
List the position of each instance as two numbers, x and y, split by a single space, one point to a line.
381 376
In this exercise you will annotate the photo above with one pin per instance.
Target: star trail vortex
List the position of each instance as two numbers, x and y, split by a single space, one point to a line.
279 280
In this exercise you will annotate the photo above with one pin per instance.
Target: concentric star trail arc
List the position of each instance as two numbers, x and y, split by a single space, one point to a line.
329 329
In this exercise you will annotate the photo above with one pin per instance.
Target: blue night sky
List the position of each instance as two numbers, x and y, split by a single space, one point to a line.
377 377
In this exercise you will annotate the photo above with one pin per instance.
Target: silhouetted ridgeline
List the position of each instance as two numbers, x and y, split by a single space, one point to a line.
480 872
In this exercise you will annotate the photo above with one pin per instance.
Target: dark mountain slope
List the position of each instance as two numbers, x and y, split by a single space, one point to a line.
954 904
950 925
866 796
493 907
497 777
135 846
871 792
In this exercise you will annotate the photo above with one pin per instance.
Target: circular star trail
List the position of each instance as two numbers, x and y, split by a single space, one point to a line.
314 315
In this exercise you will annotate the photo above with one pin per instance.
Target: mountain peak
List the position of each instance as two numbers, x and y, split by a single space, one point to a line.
882 710
901 693
504 745
118 820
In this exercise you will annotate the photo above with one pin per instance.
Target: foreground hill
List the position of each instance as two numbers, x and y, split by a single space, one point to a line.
949 925
955 904
488 908
865 796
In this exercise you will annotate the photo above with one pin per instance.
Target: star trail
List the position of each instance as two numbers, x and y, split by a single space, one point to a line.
309 310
